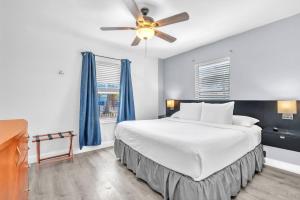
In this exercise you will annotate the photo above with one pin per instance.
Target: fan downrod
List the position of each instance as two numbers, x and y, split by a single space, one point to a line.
145 11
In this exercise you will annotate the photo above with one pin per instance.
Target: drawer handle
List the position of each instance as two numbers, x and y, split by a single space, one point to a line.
282 137
18 150
18 155
27 190
18 160
25 157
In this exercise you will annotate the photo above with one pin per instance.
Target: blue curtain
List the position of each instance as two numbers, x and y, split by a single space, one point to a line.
89 125
126 108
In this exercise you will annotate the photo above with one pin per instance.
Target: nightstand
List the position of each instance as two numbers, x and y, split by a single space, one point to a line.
285 139
161 116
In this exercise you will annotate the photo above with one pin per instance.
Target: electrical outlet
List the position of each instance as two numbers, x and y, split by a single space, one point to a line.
288 116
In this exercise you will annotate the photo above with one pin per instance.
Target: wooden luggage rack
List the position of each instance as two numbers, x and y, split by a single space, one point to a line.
52 136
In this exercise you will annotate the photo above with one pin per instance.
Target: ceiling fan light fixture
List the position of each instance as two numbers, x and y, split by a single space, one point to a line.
145 33
146 26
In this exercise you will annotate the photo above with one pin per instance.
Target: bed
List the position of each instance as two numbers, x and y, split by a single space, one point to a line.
187 159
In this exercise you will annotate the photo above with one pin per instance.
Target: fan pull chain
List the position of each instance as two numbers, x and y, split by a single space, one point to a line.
145 47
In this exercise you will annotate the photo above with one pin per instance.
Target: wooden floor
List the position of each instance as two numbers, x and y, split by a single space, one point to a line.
98 175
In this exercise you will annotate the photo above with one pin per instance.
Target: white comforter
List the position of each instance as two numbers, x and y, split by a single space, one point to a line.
193 148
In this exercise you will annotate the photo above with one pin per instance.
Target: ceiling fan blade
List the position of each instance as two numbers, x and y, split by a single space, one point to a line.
136 41
133 8
116 28
173 19
164 36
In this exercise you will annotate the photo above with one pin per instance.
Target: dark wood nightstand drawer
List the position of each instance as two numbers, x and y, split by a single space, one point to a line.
281 140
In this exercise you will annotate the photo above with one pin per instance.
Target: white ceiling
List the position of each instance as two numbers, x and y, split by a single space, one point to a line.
210 20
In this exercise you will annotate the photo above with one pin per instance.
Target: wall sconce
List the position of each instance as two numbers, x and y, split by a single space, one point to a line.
287 109
170 104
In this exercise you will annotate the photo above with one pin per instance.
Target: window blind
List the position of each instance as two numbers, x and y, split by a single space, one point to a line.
212 80
108 76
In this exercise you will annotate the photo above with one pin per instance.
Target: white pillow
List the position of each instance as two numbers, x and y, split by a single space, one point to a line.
176 115
217 113
190 111
244 120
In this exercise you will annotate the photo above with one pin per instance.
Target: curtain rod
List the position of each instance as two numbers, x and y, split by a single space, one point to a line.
107 57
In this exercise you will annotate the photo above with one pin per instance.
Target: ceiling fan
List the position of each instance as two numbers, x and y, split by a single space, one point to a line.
146 26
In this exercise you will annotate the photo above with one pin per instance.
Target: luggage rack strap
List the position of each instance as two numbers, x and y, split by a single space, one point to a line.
52 136
60 135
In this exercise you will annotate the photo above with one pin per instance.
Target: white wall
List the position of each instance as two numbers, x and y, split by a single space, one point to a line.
31 54
161 92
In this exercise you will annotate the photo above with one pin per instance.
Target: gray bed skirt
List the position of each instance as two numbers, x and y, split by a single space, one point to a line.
222 185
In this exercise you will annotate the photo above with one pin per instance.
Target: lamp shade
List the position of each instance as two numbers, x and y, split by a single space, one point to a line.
287 107
170 103
145 33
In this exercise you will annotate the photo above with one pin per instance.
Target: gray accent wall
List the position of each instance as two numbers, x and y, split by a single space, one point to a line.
265 64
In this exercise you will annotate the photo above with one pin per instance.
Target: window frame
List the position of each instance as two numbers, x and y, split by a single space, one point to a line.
225 66
105 62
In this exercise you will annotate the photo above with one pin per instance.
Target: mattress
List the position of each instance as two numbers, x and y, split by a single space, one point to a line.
192 148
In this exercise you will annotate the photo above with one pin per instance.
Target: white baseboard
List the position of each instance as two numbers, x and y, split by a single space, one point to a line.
32 158
102 146
283 165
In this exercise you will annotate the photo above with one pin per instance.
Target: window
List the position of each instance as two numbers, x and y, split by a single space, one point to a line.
212 80
108 84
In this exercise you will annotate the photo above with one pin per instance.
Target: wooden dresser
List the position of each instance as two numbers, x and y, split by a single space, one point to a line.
13 160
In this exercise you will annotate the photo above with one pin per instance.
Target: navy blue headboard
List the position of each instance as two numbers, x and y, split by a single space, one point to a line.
265 111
